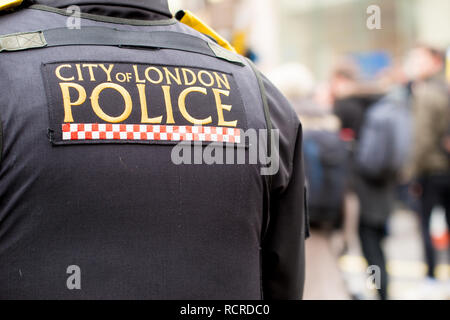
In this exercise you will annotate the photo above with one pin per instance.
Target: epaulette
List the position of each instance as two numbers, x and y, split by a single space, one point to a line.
9 4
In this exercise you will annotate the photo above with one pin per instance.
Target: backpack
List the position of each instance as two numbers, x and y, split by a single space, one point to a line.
325 168
386 136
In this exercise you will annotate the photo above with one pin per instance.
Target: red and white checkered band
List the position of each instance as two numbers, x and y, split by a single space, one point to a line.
137 132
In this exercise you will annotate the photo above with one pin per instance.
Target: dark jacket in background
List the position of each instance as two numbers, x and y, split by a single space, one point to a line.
431 112
351 111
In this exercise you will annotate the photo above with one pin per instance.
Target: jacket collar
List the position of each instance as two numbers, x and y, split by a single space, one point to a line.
156 6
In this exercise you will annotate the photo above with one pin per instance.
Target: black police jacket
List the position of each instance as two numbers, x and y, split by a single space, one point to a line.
98 200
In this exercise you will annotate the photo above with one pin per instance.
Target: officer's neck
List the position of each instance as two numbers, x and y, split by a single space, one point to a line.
127 9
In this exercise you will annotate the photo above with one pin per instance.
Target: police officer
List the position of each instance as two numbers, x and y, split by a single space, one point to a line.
98 199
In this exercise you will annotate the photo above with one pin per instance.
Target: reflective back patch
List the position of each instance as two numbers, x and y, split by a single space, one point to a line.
96 102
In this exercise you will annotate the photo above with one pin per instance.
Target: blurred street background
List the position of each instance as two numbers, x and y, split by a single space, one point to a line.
344 65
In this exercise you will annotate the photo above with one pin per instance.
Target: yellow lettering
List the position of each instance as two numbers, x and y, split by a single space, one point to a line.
58 72
182 105
138 80
221 81
221 107
121 77
144 109
91 69
80 74
168 100
147 75
186 78
169 75
107 71
65 89
200 78
98 110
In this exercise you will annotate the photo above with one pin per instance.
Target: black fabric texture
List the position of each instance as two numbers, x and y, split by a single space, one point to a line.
137 225
1 140
283 245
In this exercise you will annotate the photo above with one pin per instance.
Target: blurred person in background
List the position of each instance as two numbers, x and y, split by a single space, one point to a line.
349 105
431 152
369 118
383 149
351 97
325 167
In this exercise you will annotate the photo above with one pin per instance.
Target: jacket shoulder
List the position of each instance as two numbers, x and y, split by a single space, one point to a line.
16 21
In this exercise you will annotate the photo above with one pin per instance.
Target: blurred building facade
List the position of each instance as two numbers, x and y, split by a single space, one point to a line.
316 32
